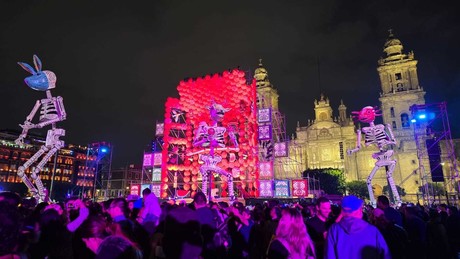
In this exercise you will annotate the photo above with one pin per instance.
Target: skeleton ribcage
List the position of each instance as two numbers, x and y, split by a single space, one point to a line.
48 111
376 136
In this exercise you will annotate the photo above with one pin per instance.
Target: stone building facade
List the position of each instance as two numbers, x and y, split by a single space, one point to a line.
325 139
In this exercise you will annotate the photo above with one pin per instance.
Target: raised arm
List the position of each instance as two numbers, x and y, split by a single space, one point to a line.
392 139
358 143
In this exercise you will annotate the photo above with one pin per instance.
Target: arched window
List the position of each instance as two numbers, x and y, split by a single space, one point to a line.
405 120
392 112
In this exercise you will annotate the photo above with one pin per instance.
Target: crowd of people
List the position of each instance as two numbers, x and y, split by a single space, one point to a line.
121 228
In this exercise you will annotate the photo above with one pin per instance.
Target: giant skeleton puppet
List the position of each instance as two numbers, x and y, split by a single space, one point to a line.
382 137
51 111
212 138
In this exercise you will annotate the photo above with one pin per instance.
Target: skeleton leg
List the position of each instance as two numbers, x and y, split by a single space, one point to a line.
38 168
369 184
23 168
391 168
229 176
204 180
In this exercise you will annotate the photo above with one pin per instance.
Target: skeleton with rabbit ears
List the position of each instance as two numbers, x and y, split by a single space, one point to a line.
51 111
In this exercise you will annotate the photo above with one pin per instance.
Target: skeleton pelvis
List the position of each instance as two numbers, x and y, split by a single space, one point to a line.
384 158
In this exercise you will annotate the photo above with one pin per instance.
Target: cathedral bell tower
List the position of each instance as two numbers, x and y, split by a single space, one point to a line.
267 95
323 110
400 90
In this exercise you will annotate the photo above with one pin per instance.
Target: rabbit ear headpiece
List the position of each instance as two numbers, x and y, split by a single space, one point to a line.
39 80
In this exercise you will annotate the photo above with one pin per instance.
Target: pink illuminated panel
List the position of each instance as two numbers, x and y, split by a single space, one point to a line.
148 160
281 149
156 189
300 188
265 132
266 188
266 170
157 157
264 115
160 127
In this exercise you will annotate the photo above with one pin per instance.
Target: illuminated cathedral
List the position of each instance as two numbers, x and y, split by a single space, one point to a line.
324 140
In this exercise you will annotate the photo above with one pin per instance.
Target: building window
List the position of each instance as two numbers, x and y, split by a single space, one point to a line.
405 120
342 156
398 76
392 112
399 87
393 123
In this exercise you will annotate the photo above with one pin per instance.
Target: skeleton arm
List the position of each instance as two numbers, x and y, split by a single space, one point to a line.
358 144
28 124
233 139
392 139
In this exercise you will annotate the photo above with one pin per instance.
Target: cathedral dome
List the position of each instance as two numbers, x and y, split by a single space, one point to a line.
393 46
260 71
392 42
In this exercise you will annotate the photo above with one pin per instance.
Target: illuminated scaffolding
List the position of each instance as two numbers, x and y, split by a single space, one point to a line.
435 150
287 153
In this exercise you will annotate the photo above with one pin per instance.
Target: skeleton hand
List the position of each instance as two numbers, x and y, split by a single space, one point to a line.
27 125
351 151
20 141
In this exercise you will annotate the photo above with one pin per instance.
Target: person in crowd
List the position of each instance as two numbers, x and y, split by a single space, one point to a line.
208 219
118 247
55 238
150 213
453 231
352 237
11 198
10 230
395 236
239 229
182 236
93 231
391 214
436 236
316 225
132 230
292 239
416 229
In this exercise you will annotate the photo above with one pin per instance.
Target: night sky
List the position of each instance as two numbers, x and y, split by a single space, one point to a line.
118 61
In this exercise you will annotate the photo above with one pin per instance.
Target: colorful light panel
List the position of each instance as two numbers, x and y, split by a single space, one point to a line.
156 174
266 170
135 189
157 159
266 188
156 189
265 132
159 129
148 160
300 188
265 115
281 149
282 188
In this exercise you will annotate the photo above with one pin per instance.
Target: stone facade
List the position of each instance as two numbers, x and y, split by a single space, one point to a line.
325 139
